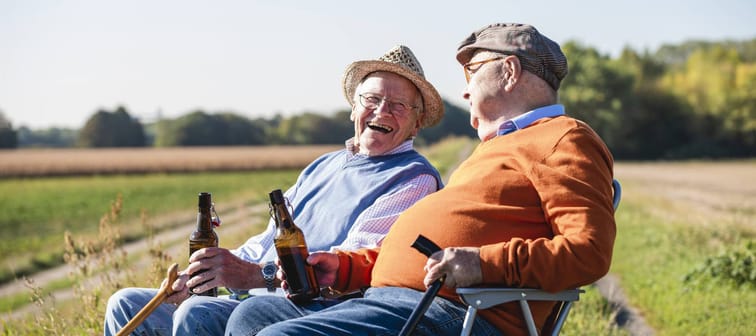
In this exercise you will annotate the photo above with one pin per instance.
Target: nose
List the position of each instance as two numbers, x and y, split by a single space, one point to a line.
383 107
465 93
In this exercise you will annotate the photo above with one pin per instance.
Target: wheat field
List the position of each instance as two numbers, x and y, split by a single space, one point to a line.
64 162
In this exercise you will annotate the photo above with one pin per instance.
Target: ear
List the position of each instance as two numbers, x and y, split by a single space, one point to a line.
512 71
417 126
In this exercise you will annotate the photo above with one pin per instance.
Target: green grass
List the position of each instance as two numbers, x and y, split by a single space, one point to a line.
445 155
36 212
591 315
657 246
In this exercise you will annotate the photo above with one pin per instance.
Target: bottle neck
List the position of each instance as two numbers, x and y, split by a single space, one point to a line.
283 218
204 220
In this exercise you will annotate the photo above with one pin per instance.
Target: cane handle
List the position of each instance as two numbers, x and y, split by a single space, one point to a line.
163 292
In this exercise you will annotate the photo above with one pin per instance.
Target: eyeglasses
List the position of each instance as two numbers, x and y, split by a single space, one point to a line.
473 67
373 101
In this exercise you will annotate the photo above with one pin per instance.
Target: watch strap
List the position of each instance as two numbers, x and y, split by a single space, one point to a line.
269 277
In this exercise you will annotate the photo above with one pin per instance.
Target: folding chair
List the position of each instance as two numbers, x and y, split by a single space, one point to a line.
483 298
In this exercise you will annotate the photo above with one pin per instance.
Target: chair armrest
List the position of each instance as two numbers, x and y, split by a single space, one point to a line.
483 298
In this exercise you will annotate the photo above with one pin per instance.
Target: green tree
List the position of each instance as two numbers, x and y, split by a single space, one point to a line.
202 129
654 123
8 136
456 122
313 128
596 92
720 87
111 129
53 137
240 130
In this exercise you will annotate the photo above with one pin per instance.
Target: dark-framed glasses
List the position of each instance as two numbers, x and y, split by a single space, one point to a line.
372 101
473 67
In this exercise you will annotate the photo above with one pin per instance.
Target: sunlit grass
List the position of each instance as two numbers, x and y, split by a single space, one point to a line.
447 153
592 315
36 212
661 239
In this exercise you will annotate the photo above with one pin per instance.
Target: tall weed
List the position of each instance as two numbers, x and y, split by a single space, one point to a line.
100 267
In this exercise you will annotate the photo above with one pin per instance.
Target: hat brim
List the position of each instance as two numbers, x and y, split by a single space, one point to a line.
433 106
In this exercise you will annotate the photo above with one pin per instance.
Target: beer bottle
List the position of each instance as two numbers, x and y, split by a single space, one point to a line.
204 235
292 252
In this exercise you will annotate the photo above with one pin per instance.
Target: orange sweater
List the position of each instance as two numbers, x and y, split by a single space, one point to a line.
538 202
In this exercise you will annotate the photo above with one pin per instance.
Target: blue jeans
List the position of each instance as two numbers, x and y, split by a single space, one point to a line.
383 311
198 315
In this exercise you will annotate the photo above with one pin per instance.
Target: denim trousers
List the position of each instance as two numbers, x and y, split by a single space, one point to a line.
197 315
382 311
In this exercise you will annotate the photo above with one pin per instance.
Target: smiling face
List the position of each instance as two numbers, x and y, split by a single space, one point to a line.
382 129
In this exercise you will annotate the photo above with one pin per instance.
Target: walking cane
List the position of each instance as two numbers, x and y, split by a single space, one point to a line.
426 247
163 293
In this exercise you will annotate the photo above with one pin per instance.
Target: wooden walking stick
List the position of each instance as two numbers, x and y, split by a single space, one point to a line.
163 292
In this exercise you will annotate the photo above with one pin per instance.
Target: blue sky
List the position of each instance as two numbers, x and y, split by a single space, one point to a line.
60 61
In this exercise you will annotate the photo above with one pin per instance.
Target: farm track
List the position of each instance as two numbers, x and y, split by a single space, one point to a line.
173 241
706 193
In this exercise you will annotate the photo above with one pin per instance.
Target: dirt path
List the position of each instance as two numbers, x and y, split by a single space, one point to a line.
627 317
174 241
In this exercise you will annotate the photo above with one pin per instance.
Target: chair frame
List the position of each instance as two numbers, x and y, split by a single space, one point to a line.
483 298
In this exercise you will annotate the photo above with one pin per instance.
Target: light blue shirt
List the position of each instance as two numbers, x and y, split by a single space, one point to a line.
525 119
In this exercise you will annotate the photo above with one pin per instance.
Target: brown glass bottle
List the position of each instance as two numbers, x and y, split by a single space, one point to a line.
292 251
204 235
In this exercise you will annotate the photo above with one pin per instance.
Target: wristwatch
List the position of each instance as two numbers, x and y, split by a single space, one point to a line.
269 273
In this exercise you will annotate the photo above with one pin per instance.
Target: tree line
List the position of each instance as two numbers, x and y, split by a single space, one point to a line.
692 100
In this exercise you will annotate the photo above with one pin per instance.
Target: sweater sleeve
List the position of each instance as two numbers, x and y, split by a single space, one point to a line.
355 268
574 184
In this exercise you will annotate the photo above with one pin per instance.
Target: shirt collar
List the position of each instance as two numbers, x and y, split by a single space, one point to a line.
525 119
405 146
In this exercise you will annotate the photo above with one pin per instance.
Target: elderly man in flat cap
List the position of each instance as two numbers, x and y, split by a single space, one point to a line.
346 199
531 207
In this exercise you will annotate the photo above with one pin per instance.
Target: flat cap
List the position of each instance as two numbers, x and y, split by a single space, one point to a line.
537 53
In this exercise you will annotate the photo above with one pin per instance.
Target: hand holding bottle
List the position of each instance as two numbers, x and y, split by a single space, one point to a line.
325 265
204 236
292 252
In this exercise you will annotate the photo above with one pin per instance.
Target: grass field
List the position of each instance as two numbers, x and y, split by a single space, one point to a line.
674 217
37 206
38 211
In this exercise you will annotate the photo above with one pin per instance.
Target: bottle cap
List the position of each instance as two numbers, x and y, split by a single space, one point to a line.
276 197
205 200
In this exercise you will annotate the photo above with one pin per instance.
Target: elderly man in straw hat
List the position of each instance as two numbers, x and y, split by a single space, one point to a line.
346 199
531 207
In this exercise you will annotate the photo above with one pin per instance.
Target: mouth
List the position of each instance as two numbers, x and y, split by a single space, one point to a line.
379 127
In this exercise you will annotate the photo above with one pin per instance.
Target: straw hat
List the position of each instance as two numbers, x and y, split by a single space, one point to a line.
399 60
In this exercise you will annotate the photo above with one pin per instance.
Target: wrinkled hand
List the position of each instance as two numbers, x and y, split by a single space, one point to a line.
460 264
180 290
221 269
325 265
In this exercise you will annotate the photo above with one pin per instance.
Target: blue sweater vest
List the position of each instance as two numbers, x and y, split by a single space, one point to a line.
344 189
